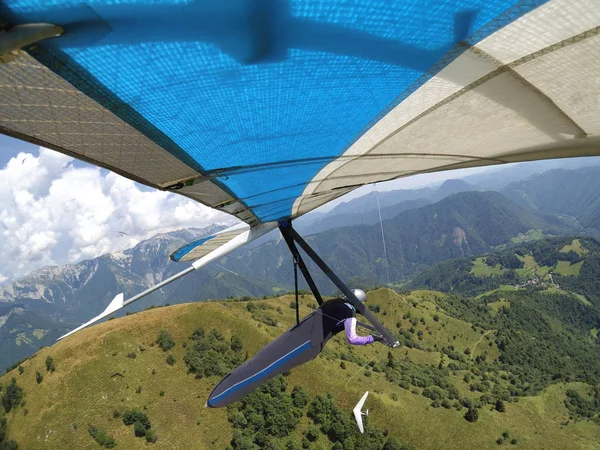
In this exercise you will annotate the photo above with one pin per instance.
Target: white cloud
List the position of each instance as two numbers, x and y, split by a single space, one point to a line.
55 212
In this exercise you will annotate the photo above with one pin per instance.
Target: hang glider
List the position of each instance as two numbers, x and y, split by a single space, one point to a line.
268 109
357 411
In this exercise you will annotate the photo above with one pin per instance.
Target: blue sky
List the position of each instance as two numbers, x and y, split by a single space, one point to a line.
10 148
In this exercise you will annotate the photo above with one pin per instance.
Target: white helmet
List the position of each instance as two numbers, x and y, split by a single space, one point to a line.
360 295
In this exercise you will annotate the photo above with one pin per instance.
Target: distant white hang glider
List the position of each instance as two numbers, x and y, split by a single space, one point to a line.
358 412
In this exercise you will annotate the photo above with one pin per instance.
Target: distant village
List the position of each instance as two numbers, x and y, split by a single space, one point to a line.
539 280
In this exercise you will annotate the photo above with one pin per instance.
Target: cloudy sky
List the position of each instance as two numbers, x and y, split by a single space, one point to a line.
57 210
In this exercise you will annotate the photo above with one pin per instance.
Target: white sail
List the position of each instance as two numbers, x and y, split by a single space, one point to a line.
358 412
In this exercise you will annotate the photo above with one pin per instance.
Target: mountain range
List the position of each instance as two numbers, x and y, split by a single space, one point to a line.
419 229
380 205
364 209
38 309
463 224
569 192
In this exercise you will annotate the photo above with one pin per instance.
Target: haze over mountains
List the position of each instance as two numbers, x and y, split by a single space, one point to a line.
422 227
571 192
364 208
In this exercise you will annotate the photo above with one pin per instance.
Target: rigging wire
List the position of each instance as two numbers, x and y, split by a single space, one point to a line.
296 289
387 268
359 370
225 268
362 220
589 225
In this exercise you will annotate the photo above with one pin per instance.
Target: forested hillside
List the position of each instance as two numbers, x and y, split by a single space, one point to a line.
471 372
562 265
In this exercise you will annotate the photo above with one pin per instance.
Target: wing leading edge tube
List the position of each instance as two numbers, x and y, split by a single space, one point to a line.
239 239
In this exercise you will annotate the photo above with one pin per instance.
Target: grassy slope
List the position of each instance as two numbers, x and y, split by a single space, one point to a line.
576 247
83 389
494 307
565 268
481 269
579 297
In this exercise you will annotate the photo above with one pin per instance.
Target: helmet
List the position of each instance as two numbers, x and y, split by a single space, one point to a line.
360 295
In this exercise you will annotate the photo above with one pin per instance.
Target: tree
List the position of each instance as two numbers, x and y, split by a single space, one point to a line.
374 308
171 360
151 436
101 437
139 429
241 442
305 442
492 261
236 343
499 406
472 415
292 445
210 354
50 367
135 415
139 420
393 444
12 396
312 434
165 340
299 397
2 428
267 413
39 377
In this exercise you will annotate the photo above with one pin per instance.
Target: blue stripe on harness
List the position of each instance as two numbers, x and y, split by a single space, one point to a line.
264 372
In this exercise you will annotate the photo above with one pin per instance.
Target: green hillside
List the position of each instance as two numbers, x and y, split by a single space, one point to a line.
560 265
448 368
